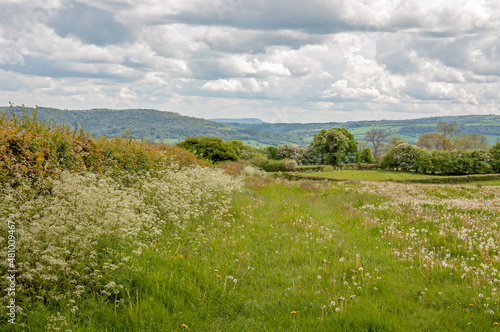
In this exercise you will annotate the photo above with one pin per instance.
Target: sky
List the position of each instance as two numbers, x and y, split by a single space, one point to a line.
276 60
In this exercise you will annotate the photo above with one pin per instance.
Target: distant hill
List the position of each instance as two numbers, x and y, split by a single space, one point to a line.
408 130
154 125
242 120
170 127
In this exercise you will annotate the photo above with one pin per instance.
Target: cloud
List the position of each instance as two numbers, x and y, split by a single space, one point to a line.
281 60
236 85
89 24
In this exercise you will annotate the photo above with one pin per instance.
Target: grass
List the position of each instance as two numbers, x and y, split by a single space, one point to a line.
370 175
488 183
307 256
137 247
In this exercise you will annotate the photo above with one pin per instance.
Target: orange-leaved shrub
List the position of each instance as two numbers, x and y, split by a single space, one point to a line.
32 150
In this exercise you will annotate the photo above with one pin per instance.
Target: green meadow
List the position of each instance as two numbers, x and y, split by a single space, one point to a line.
369 175
305 256
102 234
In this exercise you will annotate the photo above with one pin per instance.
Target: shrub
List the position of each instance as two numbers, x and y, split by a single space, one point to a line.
212 149
231 168
33 151
405 156
388 160
365 156
277 165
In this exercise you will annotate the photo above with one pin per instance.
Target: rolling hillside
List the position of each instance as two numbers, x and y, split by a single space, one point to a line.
408 130
154 125
170 127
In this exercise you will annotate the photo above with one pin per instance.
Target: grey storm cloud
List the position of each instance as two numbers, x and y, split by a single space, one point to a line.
90 24
318 60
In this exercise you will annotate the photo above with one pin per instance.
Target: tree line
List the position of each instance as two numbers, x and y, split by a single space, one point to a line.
443 152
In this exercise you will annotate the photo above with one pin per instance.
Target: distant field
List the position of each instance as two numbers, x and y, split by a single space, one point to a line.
169 140
255 143
370 175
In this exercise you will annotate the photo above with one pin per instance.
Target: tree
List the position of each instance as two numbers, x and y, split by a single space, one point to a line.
406 154
430 141
213 149
365 156
332 145
495 157
376 138
272 152
423 162
447 131
351 154
293 152
394 141
473 141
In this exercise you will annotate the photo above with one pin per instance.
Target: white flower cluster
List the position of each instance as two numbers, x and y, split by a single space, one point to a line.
91 225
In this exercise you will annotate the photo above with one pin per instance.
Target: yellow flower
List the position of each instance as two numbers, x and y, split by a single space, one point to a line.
219 277
495 323
184 326
470 305
294 312
447 307
181 257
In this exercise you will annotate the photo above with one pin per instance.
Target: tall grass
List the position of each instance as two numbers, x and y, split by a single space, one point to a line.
165 247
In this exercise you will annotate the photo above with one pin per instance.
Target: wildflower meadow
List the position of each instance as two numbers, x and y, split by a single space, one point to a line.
116 234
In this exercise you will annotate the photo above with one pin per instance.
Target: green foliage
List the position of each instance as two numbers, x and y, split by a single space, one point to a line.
495 157
32 151
388 160
249 152
365 156
351 153
332 144
237 146
270 165
153 125
407 157
291 152
212 149
272 152
168 127
423 162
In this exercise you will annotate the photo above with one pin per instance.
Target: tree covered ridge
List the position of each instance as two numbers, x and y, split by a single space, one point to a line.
154 125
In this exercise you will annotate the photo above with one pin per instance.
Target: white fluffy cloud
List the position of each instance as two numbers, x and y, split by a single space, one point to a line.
236 85
279 60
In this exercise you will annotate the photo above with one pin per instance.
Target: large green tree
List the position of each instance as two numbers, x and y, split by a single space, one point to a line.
332 144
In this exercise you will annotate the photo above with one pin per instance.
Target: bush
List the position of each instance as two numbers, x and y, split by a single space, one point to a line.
34 151
388 160
212 149
405 155
270 165
365 156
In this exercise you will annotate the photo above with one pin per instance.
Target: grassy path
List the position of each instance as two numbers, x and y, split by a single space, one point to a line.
305 256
